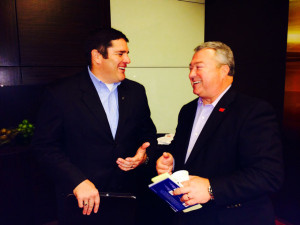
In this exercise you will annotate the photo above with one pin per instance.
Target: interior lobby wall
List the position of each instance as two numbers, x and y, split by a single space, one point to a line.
162 36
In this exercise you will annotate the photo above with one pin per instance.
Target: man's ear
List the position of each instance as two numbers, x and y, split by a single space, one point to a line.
96 57
225 70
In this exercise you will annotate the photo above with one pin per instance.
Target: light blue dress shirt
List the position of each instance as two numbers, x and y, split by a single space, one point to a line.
202 114
108 95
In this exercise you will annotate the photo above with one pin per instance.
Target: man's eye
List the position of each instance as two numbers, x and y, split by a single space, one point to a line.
197 67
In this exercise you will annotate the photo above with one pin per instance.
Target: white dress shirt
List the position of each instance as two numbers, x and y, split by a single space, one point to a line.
202 114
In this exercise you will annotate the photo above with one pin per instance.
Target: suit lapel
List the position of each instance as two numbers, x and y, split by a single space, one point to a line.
123 99
91 99
218 114
186 129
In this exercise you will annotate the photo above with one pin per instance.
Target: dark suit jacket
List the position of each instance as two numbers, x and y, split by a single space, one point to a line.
239 151
73 139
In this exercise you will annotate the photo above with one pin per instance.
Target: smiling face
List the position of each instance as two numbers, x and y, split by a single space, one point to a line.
111 69
208 77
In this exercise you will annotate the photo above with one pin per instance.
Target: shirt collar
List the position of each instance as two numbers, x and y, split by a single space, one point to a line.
98 81
200 102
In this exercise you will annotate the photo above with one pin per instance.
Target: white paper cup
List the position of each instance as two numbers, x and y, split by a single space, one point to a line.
181 175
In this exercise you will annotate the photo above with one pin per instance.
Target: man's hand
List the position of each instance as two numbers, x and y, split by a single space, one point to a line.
87 196
194 191
165 163
131 163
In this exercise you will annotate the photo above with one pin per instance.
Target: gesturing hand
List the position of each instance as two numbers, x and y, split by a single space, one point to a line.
131 163
87 196
165 163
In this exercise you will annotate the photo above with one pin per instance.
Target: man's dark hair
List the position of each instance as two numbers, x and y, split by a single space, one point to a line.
100 39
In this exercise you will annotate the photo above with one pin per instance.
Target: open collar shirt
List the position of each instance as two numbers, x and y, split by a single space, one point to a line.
108 94
202 114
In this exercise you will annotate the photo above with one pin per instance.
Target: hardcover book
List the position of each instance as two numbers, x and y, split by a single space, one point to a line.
164 185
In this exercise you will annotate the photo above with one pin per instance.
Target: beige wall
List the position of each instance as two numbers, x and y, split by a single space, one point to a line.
162 35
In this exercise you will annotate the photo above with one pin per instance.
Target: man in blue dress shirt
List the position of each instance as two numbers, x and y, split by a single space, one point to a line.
93 130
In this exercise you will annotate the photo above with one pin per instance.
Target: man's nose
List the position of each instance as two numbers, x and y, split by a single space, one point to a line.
126 59
192 73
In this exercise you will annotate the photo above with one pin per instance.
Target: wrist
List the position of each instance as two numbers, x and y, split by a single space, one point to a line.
210 192
145 160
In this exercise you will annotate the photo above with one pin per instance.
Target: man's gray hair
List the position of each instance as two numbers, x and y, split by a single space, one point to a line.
224 54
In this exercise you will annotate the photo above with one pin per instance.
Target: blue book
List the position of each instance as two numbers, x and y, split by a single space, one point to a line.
164 185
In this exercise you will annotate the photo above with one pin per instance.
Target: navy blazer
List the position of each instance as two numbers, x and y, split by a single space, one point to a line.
239 150
73 139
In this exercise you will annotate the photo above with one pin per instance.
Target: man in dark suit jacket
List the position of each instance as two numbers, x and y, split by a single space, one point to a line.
229 142
93 130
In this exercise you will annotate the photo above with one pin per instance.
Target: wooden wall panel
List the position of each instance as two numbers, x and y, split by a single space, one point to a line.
10 76
45 75
9 52
52 31
18 103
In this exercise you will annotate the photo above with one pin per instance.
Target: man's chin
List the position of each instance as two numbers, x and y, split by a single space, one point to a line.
196 92
122 78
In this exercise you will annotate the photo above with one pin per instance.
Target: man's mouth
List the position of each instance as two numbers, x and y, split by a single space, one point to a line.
197 82
122 68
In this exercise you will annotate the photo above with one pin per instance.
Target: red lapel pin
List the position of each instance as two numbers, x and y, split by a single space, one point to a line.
221 109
